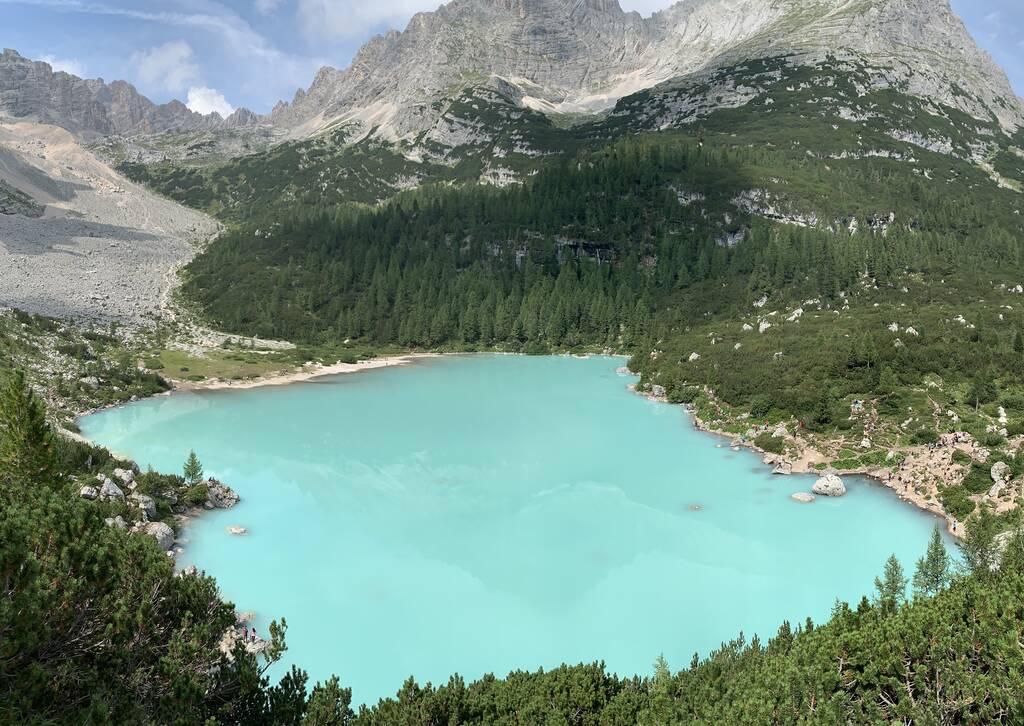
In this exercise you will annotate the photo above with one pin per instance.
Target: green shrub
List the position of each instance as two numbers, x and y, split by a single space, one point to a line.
956 501
196 496
769 443
962 457
924 436
761 406
153 364
978 479
992 440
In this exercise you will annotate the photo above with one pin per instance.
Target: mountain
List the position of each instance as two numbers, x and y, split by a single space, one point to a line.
573 56
33 90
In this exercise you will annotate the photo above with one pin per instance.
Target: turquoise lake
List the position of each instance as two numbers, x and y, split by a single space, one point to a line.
480 514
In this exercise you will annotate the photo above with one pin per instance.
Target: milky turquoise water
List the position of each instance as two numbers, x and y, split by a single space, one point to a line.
489 513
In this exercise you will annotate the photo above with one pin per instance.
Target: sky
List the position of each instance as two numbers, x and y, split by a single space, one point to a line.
217 55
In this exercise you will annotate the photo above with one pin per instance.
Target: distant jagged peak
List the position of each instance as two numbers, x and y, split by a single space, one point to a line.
91 107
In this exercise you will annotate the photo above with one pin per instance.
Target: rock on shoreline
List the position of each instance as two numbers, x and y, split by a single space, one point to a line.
829 485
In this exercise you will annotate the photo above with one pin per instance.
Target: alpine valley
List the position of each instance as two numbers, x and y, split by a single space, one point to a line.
799 219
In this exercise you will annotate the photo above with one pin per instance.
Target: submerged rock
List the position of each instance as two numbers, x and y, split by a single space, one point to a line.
803 497
236 530
829 485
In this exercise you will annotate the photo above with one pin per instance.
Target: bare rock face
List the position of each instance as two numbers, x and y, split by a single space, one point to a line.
32 89
583 55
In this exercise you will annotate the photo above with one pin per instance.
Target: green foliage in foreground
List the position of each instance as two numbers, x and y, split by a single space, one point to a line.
95 627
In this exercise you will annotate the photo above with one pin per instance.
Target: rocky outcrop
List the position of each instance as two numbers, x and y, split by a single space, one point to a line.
145 503
109 490
584 55
219 495
829 485
1000 472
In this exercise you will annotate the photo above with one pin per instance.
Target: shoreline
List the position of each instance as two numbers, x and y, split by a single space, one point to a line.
803 464
306 372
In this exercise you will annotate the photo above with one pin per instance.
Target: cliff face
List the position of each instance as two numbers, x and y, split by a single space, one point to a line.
582 55
31 89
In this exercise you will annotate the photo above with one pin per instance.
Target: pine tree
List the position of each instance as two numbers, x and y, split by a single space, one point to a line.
193 470
329 705
892 588
27 456
1018 343
932 574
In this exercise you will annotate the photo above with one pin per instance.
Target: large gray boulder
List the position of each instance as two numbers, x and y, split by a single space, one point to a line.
163 534
146 503
127 476
88 492
1000 472
109 490
829 485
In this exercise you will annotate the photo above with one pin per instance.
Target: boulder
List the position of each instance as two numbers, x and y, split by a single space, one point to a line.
88 492
237 531
1000 472
865 443
783 469
803 497
125 475
163 534
116 522
220 496
110 490
780 432
829 485
145 503
91 382
694 357
996 489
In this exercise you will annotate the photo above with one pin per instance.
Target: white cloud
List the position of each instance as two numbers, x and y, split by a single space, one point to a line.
208 100
68 65
167 67
354 18
266 7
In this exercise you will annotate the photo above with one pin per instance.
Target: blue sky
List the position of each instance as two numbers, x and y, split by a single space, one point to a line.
221 54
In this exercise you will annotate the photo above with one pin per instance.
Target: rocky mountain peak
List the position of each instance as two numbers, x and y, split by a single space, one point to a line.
583 55
33 90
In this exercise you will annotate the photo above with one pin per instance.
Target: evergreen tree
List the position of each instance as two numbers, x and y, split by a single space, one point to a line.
1018 343
892 588
329 705
932 574
193 470
27 455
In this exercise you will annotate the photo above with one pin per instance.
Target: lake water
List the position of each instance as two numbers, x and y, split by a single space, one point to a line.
490 513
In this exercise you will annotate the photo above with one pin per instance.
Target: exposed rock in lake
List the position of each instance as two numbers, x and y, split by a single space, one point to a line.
237 531
220 496
829 485
803 497
783 468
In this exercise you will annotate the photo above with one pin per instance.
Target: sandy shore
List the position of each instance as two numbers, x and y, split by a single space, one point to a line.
305 373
